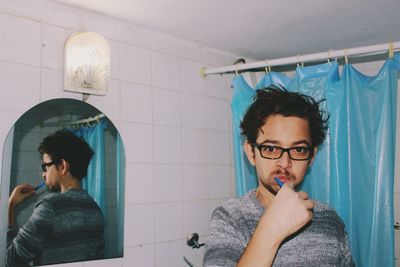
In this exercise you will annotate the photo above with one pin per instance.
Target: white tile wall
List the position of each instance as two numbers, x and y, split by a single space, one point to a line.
195 182
194 146
139 256
167 144
103 263
135 35
23 37
190 79
219 181
217 145
20 85
166 107
193 111
138 141
139 183
135 64
169 254
107 27
196 217
168 221
58 14
167 183
217 118
136 103
140 222
165 71
53 41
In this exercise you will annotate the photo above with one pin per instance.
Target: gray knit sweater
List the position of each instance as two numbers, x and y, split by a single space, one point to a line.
323 242
64 227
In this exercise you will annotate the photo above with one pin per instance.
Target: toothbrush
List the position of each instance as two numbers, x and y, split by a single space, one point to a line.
279 182
40 185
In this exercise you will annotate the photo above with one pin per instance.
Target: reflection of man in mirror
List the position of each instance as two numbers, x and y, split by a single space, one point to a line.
66 225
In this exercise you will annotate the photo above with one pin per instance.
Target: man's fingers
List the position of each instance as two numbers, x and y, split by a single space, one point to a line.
309 204
289 184
303 195
26 188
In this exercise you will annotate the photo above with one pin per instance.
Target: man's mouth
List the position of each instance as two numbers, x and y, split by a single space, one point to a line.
283 178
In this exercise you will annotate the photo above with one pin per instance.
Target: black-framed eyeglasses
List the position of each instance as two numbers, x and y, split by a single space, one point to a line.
47 164
276 152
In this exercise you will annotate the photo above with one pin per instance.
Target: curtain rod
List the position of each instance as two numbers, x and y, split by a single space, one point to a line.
86 121
363 50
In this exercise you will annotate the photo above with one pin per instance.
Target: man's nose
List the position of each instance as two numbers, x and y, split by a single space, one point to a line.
284 161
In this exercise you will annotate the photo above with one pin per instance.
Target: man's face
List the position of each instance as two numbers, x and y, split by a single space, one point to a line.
51 175
286 132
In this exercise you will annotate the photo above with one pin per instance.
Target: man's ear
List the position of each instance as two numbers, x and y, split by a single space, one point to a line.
63 167
249 150
313 157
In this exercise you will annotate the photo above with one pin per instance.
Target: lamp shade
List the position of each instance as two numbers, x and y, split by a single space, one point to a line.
87 64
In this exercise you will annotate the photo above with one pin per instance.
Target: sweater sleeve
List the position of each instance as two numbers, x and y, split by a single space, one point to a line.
26 244
348 259
224 244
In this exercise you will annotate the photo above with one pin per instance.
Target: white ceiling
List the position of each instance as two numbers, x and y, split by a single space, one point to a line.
262 29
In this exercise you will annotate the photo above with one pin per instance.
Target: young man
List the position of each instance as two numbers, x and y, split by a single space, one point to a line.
66 225
273 225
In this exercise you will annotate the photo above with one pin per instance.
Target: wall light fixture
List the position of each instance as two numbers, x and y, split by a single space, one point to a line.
87 64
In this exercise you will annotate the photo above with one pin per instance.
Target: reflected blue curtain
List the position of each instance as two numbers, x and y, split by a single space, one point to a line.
120 194
354 169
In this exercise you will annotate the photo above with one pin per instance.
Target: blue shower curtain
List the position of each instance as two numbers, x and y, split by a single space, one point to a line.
354 169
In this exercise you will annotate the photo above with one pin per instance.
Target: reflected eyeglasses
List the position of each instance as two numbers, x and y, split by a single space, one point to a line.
276 152
45 165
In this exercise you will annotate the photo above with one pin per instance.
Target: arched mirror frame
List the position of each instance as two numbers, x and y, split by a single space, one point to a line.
54 114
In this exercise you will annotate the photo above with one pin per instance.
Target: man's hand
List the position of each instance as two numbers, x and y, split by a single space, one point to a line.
285 215
289 211
19 194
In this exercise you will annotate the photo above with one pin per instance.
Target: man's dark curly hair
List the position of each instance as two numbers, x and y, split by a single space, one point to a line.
279 101
65 145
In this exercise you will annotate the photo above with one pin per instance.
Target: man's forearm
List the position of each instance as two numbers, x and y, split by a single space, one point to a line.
11 214
261 249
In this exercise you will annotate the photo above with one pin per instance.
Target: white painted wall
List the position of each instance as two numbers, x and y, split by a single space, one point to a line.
175 125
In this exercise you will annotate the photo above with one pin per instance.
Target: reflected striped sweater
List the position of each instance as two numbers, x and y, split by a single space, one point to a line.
322 243
64 227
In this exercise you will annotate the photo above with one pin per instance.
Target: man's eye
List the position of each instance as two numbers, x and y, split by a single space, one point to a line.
301 150
269 149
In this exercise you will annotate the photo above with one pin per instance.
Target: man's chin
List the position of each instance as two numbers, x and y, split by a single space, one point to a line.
54 189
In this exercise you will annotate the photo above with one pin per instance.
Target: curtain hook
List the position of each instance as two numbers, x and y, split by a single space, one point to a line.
236 70
298 61
266 66
391 52
346 60
329 56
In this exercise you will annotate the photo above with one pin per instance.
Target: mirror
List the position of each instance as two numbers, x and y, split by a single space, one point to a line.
104 182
